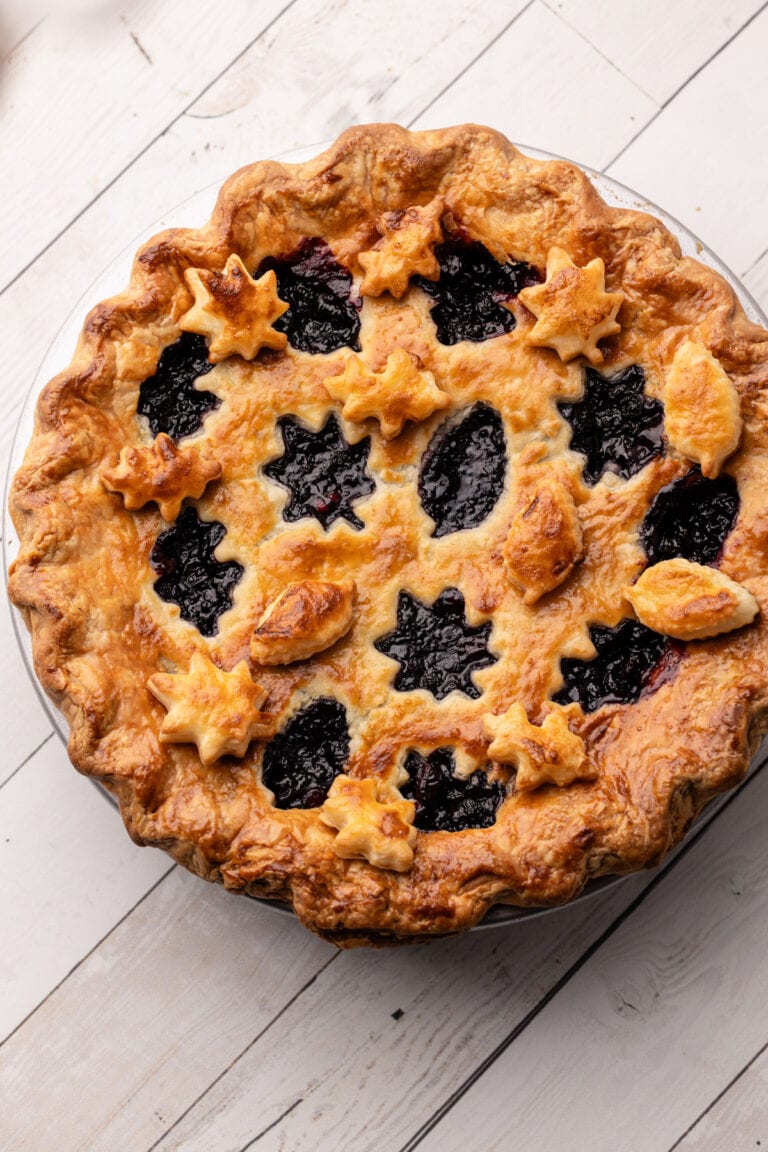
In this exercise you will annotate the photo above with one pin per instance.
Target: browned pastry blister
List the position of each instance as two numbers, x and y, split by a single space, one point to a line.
386 492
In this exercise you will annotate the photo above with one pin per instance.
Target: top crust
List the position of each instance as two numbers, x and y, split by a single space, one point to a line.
84 585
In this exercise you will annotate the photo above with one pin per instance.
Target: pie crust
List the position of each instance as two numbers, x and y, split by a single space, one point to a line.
605 791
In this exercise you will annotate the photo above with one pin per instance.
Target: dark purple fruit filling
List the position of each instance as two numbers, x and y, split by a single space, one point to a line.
169 399
631 661
188 573
471 290
435 646
323 315
462 472
323 473
301 761
615 425
691 518
445 803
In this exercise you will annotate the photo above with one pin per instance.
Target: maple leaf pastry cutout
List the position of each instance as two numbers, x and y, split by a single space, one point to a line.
233 311
214 709
572 308
543 754
402 391
374 823
406 249
163 472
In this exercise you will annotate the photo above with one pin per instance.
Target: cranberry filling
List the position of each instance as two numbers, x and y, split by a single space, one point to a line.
188 573
323 315
462 472
445 803
323 473
301 761
631 661
169 399
615 425
435 646
691 517
470 293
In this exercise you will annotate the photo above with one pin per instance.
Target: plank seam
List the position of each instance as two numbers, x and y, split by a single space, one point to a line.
719 1096
150 144
439 1115
274 1124
15 47
27 759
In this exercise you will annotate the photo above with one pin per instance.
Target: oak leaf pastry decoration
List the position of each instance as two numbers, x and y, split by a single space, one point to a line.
702 409
307 617
233 311
406 249
373 822
545 541
214 709
689 601
163 472
543 754
402 391
572 308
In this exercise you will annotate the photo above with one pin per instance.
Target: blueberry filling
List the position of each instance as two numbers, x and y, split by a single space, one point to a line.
435 646
323 473
631 661
462 472
691 517
169 399
445 803
188 573
615 425
470 293
301 761
323 315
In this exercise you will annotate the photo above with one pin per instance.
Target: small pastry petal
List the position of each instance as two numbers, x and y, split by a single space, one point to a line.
702 410
549 754
216 710
572 309
402 391
307 617
164 472
234 311
690 601
545 540
373 824
405 249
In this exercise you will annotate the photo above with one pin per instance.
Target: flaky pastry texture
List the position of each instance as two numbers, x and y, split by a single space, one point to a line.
85 586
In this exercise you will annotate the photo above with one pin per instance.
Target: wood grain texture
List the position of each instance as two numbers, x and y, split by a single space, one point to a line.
738 1118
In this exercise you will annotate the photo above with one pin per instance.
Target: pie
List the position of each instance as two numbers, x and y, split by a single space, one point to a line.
396 544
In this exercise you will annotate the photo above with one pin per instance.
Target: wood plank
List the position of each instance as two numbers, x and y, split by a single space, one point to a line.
649 1031
700 158
656 44
531 84
23 721
68 872
738 1118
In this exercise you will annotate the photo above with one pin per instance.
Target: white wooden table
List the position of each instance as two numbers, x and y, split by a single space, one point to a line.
143 1010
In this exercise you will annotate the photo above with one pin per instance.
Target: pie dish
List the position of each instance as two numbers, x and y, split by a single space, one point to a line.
394 545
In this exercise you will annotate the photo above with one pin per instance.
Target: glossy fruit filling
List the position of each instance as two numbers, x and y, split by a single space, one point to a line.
169 399
435 646
189 575
444 802
691 517
301 761
323 315
462 471
631 661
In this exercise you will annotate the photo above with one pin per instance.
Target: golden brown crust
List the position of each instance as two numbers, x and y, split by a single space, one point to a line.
82 576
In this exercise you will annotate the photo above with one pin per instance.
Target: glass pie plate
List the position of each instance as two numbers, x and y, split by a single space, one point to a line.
193 212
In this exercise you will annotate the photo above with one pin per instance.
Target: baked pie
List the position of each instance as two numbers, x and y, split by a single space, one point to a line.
396 544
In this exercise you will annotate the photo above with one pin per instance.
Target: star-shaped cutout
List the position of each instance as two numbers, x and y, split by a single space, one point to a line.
615 425
162 472
216 710
544 754
572 308
323 473
235 312
172 400
190 575
402 391
406 249
373 823
435 646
